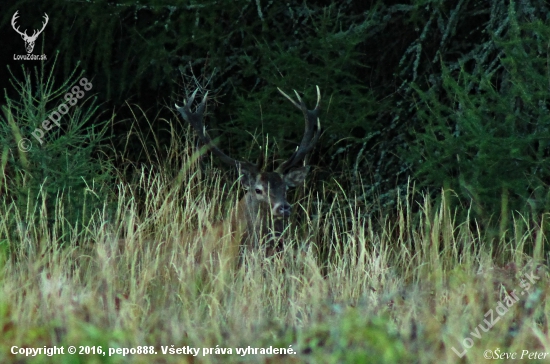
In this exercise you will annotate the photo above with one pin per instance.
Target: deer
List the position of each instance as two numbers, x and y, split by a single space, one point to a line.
259 220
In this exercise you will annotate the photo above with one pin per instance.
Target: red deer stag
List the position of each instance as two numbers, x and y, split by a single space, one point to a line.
259 217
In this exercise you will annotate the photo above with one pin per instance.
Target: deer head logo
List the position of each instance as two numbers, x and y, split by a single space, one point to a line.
29 40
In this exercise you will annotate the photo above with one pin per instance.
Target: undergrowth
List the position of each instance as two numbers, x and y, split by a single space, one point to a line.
415 285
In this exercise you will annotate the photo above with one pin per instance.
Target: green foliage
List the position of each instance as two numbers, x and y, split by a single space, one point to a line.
61 168
356 338
319 53
252 46
484 131
372 61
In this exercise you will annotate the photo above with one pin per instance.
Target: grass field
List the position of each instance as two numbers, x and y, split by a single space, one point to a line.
415 286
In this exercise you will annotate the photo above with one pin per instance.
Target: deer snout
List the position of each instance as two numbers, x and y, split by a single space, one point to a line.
283 209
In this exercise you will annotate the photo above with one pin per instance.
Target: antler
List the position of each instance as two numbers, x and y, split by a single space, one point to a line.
13 19
43 26
195 119
24 34
310 134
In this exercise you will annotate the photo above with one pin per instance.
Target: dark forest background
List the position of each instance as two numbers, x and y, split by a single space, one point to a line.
450 95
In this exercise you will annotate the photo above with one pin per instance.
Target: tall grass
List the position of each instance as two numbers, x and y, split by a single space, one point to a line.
403 287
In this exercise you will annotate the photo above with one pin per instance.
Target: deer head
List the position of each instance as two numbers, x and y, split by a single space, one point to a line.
264 207
29 40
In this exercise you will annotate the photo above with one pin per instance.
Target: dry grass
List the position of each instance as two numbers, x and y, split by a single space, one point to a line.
349 290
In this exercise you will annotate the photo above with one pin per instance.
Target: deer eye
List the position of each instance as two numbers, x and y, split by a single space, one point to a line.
258 191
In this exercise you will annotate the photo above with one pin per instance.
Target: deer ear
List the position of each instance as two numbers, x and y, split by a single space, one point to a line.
247 178
296 176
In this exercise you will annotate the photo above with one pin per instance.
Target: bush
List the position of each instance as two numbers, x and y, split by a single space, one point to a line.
484 129
60 167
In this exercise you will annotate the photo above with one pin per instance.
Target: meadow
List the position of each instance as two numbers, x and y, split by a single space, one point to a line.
414 285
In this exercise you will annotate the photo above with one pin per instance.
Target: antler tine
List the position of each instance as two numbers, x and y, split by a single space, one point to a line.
46 18
290 98
195 119
13 20
311 134
36 32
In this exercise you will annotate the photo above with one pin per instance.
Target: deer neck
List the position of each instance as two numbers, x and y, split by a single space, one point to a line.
256 224
252 219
